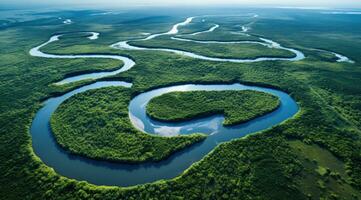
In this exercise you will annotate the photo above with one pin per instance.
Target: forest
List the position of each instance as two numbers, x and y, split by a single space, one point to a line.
237 106
91 129
314 155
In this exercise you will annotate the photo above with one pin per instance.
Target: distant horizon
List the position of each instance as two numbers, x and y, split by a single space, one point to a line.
304 4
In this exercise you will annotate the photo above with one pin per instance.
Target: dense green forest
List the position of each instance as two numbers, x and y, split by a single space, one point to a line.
315 155
236 106
100 129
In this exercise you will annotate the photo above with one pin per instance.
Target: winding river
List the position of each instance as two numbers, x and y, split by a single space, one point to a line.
118 174
128 63
266 42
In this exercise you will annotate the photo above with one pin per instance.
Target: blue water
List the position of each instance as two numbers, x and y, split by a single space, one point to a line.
107 173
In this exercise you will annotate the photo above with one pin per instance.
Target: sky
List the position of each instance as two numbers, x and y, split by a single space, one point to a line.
131 3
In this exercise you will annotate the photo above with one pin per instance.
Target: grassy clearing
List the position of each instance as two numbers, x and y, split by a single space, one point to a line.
325 175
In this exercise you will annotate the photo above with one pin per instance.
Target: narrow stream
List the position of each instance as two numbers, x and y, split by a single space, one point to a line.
266 42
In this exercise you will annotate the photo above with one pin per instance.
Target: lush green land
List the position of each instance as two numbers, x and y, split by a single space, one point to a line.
322 170
95 124
236 106
272 165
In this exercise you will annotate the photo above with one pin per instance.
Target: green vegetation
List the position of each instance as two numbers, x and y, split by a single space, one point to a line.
237 106
76 35
249 51
263 166
86 124
324 175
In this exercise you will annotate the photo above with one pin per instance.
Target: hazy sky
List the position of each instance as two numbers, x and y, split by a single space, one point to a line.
314 3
